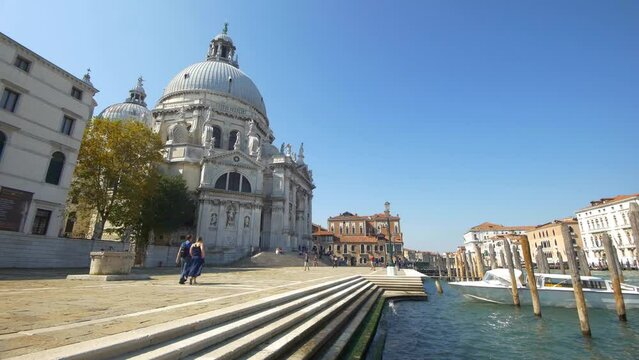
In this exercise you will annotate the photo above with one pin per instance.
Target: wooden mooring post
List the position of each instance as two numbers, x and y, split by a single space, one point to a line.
503 260
516 257
493 258
439 266
468 260
614 275
580 302
480 262
448 270
617 263
584 269
511 270
532 282
438 286
562 267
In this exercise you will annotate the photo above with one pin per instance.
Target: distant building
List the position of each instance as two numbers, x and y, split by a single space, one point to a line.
488 233
608 215
43 113
322 239
357 237
551 238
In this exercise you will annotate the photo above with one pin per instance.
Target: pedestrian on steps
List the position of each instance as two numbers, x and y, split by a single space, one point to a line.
197 260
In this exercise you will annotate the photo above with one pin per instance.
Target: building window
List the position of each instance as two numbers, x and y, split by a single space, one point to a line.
361 248
67 125
625 219
76 93
217 134
55 168
232 139
3 140
9 100
68 228
22 63
352 248
614 218
41 222
233 181
347 230
361 229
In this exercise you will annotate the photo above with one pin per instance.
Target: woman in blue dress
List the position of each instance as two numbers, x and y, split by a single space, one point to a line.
197 260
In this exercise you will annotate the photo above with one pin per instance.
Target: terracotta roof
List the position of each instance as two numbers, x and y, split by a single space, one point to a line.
349 216
358 239
487 226
607 201
323 233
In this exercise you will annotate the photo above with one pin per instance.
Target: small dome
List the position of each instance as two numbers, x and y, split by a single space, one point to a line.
223 37
217 77
127 110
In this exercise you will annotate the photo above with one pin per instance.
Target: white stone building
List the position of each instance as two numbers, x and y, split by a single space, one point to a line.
488 233
43 113
217 136
608 215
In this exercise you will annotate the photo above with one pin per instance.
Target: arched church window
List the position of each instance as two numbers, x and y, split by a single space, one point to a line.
233 138
55 168
217 134
233 181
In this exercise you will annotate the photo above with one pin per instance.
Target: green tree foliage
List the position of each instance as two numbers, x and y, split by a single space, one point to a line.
168 207
116 170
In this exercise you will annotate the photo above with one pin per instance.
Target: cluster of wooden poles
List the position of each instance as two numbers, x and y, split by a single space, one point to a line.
463 265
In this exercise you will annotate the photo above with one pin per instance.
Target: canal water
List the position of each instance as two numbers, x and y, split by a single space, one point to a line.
449 326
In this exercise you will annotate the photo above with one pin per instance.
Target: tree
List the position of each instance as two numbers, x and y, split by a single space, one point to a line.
169 206
115 170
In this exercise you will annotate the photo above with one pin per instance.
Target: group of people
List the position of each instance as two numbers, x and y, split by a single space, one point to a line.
191 257
307 257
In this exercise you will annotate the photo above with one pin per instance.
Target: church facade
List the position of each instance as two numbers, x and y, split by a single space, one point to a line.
212 118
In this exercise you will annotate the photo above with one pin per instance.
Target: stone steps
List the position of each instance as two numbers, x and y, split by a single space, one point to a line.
317 321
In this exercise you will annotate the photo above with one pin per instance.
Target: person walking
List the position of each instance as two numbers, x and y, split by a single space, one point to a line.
371 258
306 262
314 260
184 258
197 260
334 261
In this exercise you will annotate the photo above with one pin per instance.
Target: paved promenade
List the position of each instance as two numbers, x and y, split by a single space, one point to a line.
40 309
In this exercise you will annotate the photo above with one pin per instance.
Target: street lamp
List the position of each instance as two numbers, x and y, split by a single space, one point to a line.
390 268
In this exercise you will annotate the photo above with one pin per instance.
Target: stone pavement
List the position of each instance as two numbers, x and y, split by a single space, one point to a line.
40 309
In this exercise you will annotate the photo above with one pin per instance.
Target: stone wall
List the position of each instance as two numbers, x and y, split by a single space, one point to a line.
30 251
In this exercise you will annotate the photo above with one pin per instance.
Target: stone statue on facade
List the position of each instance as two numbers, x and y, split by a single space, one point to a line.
236 146
207 129
210 147
247 221
300 156
230 216
258 154
213 222
253 139
282 149
287 150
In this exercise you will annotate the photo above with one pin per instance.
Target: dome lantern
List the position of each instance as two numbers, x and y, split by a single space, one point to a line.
222 49
137 94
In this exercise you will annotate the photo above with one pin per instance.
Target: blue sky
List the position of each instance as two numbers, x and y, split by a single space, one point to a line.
457 112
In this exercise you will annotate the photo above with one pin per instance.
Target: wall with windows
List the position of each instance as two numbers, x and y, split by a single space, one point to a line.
43 114
612 218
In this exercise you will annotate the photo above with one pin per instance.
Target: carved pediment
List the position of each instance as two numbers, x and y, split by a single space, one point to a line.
234 158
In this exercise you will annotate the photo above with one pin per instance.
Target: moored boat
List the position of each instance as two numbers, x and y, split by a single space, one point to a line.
553 289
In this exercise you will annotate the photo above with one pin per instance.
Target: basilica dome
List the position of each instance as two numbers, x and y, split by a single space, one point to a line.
217 77
219 74
133 107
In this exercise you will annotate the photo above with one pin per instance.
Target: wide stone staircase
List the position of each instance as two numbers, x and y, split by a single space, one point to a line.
316 322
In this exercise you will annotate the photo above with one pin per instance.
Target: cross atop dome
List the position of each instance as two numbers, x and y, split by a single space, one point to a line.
137 94
222 49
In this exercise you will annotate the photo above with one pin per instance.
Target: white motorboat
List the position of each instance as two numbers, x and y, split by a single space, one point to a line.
553 289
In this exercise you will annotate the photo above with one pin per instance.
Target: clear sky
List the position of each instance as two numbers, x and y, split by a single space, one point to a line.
457 112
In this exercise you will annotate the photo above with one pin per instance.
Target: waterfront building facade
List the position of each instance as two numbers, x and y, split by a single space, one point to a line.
550 237
43 112
608 215
357 237
322 239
